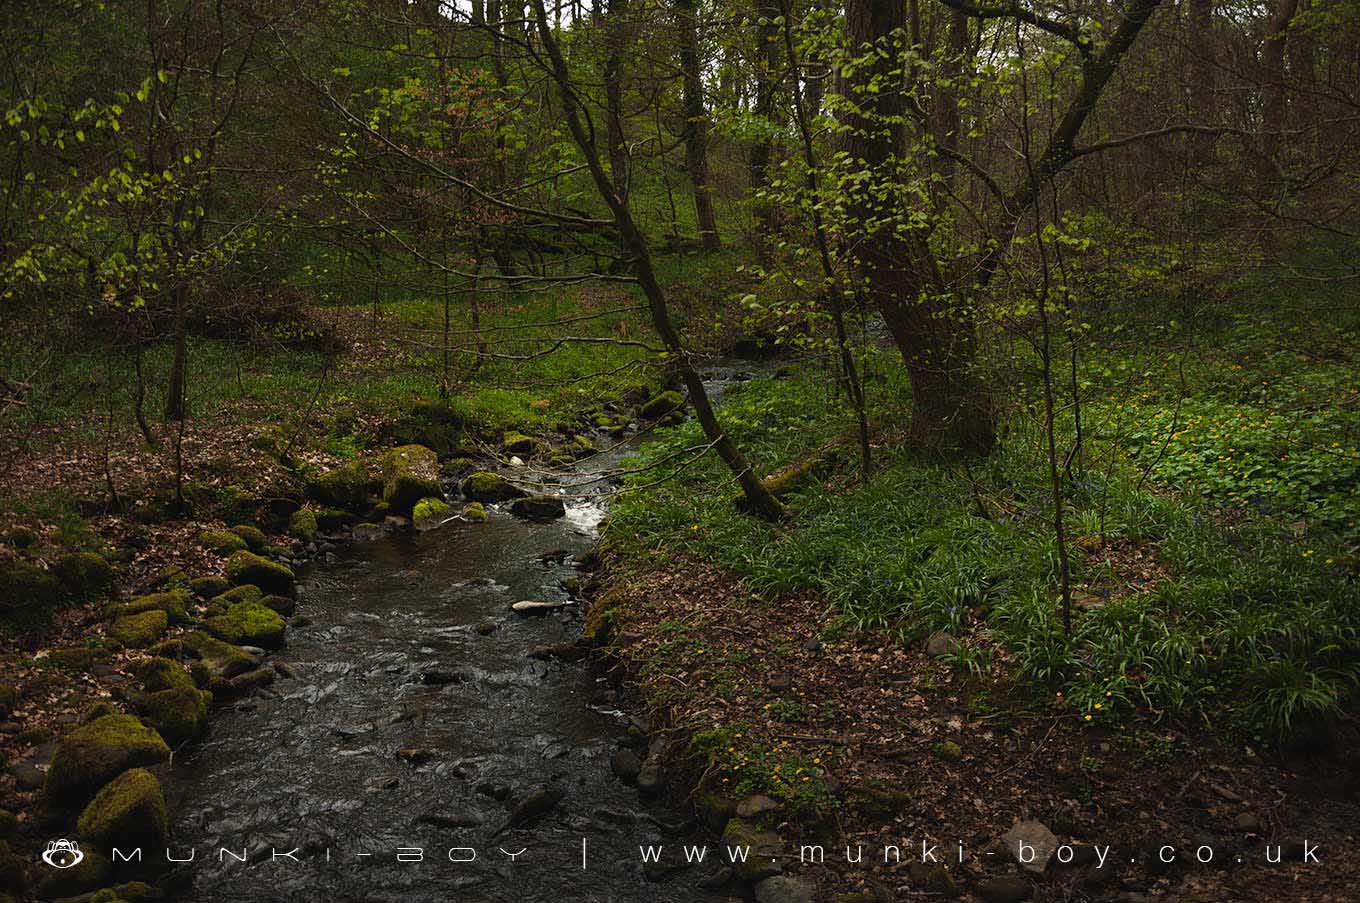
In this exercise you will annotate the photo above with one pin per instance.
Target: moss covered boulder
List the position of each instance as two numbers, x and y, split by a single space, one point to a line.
410 473
179 714
429 512
666 403
75 659
432 424
333 520
207 587
25 588
215 660
519 444
157 673
345 487
246 592
84 575
96 753
250 623
539 507
129 811
485 486
474 512
140 630
254 537
302 525
765 850
173 603
91 874
223 542
248 568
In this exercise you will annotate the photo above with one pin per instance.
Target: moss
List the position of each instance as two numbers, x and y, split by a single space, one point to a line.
250 623
75 659
485 486
156 674
139 630
179 714
216 660
520 444
95 753
432 424
539 507
429 509
247 592
284 605
97 711
223 542
129 811
25 588
740 833
91 874
474 512
84 575
207 587
345 487
254 537
302 525
600 624
269 576
333 519
174 604
667 402
410 473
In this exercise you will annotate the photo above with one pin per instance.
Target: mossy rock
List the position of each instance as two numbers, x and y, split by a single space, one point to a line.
21 537
174 604
75 659
140 630
345 487
248 623
429 512
91 874
284 605
581 447
666 403
519 444
485 486
95 753
431 424
207 587
223 542
157 673
84 575
764 847
97 711
9 699
25 588
247 592
333 520
172 577
539 507
216 660
254 537
302 525
270 576
180 714
474 512
129 811
600 624
410 473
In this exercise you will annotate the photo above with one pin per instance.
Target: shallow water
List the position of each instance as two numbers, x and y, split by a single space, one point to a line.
316 769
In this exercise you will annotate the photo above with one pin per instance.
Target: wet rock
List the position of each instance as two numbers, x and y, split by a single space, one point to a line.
783 889
448 821
270 576
436 677
538 507
485 486
93 754
495 789
282 605
1035 840
1005 889
649 777
368 532
531 607
416 755
216 660
248 682
626 765
566 652
129 810
486 628
536 804
285 670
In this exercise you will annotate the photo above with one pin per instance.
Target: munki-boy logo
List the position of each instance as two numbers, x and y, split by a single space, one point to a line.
62 854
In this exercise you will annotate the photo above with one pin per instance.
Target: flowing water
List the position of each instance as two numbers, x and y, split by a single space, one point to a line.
331 783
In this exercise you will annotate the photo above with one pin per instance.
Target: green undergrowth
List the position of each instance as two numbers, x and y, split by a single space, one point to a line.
1240 618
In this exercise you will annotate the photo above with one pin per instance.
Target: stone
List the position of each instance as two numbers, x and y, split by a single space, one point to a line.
216 660
253 535
248 592
938 645
223 542
302 525
530 607
519 444
949 751
475 512
783 889
933 879
755 806
128 811
95 753
485 486
175 604
84 575
207 587
429 512
25 587
91 873
270 576
282 605
333 520
140 630
179 714
9 699
538 507
765 850
533 806
626 765
368 532
666 403
250 623
1035 841
1005 889
410 473
1248 823
156 673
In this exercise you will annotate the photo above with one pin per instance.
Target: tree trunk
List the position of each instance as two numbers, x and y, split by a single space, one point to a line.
767 81
932 327
696 122
757 496
617 34
174 393
1274 101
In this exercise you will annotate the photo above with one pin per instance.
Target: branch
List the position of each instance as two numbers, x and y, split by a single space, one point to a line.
1014 10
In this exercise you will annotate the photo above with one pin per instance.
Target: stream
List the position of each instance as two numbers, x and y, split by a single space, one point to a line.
384 769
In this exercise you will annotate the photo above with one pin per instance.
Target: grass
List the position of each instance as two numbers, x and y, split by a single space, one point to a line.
1243 607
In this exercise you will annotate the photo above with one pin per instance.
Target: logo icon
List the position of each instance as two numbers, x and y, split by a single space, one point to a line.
62 854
